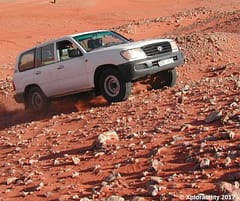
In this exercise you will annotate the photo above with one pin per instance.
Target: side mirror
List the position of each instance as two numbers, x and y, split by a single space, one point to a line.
130 40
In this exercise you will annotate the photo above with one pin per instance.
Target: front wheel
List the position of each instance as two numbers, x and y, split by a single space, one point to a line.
113 87
37 101
164 78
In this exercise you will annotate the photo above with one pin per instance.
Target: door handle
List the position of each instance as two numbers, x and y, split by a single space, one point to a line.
38 72
60 67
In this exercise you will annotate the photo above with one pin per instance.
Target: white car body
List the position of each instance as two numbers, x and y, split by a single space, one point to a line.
61 76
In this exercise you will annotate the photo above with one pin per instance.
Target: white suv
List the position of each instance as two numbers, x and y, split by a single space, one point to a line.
103 61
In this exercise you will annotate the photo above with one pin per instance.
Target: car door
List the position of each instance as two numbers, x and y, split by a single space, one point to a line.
26 67
71 68
46 71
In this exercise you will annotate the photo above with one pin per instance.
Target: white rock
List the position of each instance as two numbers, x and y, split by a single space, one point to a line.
11 180
105 139
230 190
75 160
153 190
204 163
115 198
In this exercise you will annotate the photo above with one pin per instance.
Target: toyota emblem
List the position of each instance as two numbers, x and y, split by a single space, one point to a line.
160 48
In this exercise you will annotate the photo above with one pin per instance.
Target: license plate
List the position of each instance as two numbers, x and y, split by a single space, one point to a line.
165 62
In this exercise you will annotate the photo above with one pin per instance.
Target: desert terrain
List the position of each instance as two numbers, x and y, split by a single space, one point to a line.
179 143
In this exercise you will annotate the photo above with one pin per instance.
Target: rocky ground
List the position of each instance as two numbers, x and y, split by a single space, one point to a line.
179 143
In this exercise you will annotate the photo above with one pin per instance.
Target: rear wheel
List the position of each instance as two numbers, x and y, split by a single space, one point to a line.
37 101
164 78
113 87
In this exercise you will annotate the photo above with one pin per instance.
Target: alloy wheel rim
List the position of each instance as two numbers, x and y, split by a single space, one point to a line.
112 86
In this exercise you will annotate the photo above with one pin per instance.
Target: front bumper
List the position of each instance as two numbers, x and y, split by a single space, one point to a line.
137 69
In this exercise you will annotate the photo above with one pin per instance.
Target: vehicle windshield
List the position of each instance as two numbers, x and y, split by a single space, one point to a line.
95 40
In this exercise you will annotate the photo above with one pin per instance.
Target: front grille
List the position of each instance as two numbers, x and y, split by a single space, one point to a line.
157 48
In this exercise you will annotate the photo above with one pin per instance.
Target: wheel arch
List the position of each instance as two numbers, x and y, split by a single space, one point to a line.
27 89
98 72
35 99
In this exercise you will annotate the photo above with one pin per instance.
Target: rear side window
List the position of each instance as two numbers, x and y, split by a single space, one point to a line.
27 60
45 55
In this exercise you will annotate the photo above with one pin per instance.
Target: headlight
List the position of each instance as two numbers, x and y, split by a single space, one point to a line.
174 46
136 53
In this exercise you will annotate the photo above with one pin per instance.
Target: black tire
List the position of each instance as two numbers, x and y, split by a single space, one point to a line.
113 87
37 101
164 78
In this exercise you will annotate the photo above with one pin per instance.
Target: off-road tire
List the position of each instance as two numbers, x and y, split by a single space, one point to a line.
164 78
113 87
37 101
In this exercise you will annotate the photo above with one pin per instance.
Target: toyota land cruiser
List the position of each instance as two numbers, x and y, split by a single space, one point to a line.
103 61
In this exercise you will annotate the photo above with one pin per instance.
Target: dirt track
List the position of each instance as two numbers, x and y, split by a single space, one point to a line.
170 144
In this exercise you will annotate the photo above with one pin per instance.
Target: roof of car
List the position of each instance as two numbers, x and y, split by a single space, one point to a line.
59 38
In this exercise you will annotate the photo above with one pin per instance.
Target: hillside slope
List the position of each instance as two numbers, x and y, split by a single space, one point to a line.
170 144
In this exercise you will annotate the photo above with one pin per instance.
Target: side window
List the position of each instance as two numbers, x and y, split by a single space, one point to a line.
110 39
26 61
48 54
45 55
67 50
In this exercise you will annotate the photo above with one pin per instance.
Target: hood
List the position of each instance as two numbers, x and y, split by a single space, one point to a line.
131 45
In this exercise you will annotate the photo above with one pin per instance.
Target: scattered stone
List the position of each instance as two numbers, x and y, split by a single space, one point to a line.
155 164
63 198
213 116
39 186
105 139
191 185
30 190
229 189
155 180
233 154
75 160
204 163
75 197
185 127
171 178
56 162
115 198
27 181
75 174
227 135
153 190
177 138
85 199
47 194
227 162
138 199
32 161
96 168
112 177
11 180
